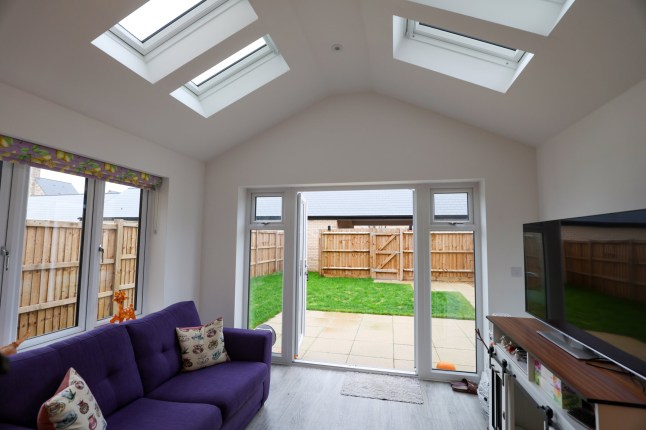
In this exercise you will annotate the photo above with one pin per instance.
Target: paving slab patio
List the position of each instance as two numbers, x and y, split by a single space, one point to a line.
383 341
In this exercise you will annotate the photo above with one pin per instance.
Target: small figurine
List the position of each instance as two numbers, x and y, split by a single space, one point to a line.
123 313
13 346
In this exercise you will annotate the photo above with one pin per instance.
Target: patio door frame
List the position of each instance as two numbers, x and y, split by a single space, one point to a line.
422 223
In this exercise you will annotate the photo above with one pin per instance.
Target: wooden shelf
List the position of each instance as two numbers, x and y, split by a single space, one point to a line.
596 385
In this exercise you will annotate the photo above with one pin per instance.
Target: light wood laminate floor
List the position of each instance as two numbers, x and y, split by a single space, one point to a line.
310 398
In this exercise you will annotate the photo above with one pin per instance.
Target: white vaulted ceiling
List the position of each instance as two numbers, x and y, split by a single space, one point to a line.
597 51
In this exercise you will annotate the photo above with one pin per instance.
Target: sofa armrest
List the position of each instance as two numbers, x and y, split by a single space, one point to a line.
248 345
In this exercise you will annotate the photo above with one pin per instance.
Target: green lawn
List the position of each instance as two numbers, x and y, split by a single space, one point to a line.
594 311
356 295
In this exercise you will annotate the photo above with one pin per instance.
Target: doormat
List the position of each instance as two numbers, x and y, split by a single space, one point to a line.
383 387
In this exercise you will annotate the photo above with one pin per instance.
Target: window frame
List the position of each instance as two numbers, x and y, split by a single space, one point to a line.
232 73
470 206
15 183
266 224
167 32
464 44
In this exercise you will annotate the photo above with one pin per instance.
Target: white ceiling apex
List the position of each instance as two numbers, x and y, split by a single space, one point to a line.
534 16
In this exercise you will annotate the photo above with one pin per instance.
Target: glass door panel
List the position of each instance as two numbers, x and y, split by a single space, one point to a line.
120 248
266 258
51 255
452 262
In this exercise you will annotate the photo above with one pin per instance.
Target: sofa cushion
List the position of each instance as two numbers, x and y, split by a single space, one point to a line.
202 346
105 359
72 407
227 386
33 377
148 414
155 343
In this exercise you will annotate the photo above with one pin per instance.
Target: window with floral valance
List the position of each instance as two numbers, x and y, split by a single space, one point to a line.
21 151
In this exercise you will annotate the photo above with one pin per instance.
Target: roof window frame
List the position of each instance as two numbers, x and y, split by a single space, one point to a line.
236 82
454 60
534 16
236 70
168 31
464 44
220 20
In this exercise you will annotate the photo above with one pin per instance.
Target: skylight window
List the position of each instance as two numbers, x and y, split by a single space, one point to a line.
157 21
464 44
535 16
238 75
156 15
163 35
472 59
237 61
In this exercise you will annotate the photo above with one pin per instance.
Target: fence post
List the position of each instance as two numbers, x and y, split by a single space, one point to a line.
276 248
118 252
401 254
373 253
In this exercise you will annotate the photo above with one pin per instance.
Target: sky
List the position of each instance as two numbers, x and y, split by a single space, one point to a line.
77 181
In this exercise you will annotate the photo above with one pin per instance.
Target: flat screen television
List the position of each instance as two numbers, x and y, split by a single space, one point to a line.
586 278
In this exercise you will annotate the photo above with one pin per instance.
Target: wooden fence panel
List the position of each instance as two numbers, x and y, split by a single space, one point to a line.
613 268
452 256
49 277
266 254
387 254
50 273
345 253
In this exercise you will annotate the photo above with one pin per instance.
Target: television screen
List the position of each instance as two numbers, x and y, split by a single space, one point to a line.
586 277
604 275
535 288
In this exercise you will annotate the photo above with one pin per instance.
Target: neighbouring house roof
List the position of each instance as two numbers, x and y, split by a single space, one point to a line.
347 204
320 204
360 203
52 187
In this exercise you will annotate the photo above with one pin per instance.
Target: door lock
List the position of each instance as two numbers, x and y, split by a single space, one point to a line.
5 253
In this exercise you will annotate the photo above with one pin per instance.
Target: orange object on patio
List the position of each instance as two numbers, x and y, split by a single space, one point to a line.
445 365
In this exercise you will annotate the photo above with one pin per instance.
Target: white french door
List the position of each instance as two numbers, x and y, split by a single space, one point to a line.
431 338
301 275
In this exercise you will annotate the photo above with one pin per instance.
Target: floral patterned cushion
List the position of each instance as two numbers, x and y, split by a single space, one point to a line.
202 346
72 407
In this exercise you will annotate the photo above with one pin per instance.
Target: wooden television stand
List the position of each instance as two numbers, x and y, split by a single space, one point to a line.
613 400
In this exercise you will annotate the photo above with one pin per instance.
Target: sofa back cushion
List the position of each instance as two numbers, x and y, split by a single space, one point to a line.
105 360
33 378
155 343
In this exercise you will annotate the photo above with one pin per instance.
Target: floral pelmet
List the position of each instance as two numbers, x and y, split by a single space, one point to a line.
20 151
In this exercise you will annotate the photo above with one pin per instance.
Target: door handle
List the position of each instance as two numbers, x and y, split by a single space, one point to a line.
5 253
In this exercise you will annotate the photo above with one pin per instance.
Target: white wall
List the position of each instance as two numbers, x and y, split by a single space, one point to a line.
174 260
598 164
369 138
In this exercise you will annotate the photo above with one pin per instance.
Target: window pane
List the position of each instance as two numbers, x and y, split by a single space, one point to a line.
269 208
453 300
229 62
120 245
266 281
52 250
155 15
450 207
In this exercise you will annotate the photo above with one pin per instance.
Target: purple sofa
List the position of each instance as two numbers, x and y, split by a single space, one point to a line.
133 371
